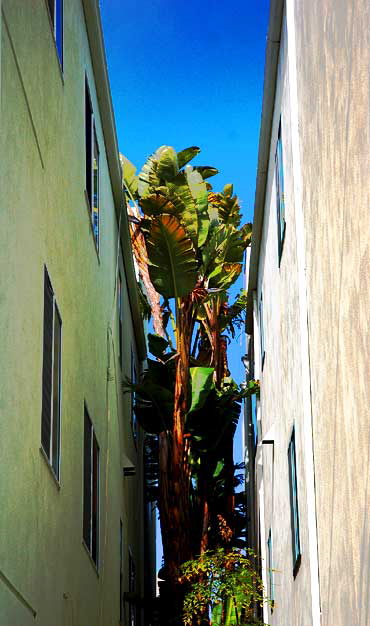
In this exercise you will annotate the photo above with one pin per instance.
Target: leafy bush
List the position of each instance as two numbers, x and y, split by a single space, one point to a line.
224 589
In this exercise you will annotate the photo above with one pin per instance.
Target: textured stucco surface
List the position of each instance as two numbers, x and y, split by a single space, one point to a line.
333 54
44 220
330 51
281 379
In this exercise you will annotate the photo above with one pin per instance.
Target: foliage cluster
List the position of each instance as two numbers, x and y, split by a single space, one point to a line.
189 247
223 589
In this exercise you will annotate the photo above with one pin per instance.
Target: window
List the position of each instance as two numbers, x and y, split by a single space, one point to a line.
91 490
262 330
131 588
56 16
92 166
294 514
51 378
270 570
280 198
134 424
254 418
119 306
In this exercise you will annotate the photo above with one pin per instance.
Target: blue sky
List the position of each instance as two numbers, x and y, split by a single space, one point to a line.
191 73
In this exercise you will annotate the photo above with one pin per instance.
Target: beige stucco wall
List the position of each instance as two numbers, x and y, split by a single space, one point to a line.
281 380
44 220
334 102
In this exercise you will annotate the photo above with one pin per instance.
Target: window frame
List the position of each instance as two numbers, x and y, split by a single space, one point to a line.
120 320
270 569
134 422
92 181
91 491
48 409
294 508
95 211
132 614
280 192
55 10
261 330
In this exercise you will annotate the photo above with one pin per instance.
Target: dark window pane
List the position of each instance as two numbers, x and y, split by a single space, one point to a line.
296 549
95 205
95 501
119 305
270 568
262 330
280 198
133 397
87 481
88 143
254 418
132 588
56 391
47 365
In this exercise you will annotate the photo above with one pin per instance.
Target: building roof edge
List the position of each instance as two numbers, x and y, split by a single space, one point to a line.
269 88
99 61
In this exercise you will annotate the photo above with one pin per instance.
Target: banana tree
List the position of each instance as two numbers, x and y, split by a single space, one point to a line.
189 250
221 266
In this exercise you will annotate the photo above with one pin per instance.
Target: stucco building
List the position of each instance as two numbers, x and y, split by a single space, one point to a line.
73 515
308 444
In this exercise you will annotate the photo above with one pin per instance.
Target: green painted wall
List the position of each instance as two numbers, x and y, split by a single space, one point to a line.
44 220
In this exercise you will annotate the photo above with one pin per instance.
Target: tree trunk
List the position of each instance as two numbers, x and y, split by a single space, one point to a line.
174 485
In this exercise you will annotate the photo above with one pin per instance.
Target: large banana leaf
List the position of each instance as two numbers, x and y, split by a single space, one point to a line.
228 208
161 372
225 245
198 190
184 156
228 190
246 232
224 275
195 181
186 208
156 204
154 393
168 166
219 413
233 251
160 165
172 259
157 345
203 218
213 247
206 171
129 175
201 384
148 176
153 407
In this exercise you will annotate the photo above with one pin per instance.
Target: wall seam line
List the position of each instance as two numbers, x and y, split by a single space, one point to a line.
23 88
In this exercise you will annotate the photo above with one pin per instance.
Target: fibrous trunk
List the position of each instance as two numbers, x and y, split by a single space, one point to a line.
174 481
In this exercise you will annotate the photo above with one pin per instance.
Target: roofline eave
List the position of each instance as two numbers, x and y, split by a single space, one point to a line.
269 89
